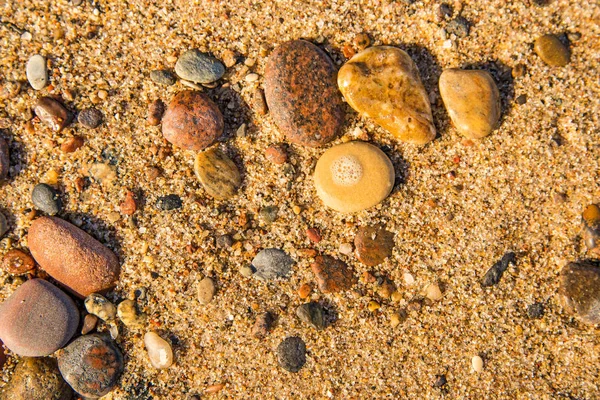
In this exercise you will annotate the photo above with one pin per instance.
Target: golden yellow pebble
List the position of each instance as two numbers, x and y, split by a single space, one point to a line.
51 177
102 94
395 320
148 259
396 297
373 306
477 364
297 210
433 292
519 330
144 248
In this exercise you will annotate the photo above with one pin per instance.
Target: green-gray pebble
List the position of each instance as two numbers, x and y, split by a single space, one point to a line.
45 198
163 77
196 66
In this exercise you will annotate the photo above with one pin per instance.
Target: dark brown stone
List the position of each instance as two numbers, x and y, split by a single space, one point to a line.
71 144
302 94
192 121
262 325
4 159
373 245
17 262
156 109
332 275
37 379
51 112
580 290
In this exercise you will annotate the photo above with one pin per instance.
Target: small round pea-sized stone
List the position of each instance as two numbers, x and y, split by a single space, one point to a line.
195 66
37 72
100 306
90 118
45 198
291 354
552 51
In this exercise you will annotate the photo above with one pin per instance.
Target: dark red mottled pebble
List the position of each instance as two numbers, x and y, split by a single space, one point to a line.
302 95
332 275
373 245
192 121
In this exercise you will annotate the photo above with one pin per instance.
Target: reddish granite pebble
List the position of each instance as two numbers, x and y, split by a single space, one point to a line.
192 121
276 154
72 257
71 144
4 159
313 235
128 206
332 275
17 262
373 245
37 319
302 95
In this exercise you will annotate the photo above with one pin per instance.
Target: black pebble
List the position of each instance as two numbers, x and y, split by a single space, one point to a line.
440 381
291 354
522 99
458 26
535 310
90 118
45 198
494 274
169 202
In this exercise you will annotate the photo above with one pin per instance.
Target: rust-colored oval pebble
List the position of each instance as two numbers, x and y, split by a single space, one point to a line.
75 259
17 262
302 95
192 121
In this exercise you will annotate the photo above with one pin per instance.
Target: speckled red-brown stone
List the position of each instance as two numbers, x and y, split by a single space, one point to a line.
373 245
37 319
192 121
302 95
17 262
4 159
332 275
79 262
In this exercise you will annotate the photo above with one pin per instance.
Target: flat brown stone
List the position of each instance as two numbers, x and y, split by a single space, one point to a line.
17 262
192 121
301 92
218 173
51 112
332 275
580 290
373 245
552 51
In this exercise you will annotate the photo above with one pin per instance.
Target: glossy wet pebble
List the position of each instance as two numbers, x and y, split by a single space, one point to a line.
100 306
37 379
37 319
332 275
46 199
72 257
373 245
51 112
472 100
37 72
192 121
291 354
301 93
159 351
195 66
580 290
353 176
4 159
17 262
383 83
91 365
272 264
218 174
552 51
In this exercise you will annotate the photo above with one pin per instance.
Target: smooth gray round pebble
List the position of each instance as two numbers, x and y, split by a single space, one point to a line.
291 354
162 77
37 73
90 118
198 67
3 225
272 264
45 198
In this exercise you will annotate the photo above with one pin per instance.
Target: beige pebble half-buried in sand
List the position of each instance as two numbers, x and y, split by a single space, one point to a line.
472 100
383 83
353 176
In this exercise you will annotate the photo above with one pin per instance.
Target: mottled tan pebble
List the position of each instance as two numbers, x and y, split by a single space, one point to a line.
100 306
129 314
159 351
373 244
156 109
472 100
262 325
206 290
37 379
218 174
259 103
383 83
552 51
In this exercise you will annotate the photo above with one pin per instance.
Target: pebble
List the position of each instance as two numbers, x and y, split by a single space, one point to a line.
332 275
129 314
459 26
169 202
362 41
353 176
398 318
37 379
304 291
100 306
156 109
314 235
580 290
591 228
163 77
269 214
71 144
301 94
4 160
46 199
246 271
262 325
494 274
433 292
251 78
224 241
91 364
52 319
535 310
258 102
383 83
346 249
206 290
440 381
37 72
373 245
198 67
313 314
552 51
192 121
472 100
218 174
291 354
90 118
89 323
477 364
17 262
159 350
51 112
272 264
128 206
373 306
276 154
72 257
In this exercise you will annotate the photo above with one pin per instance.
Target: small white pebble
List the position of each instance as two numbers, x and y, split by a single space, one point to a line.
447 44
251 77
477 364
346 248
159 351
408 278
26 36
